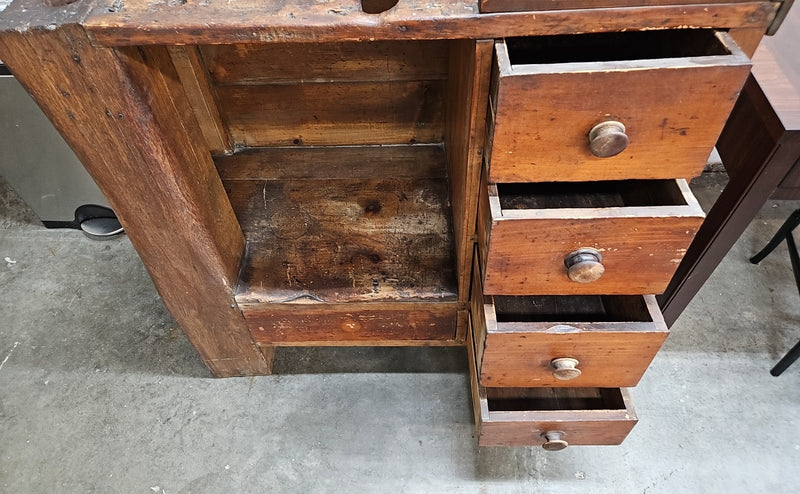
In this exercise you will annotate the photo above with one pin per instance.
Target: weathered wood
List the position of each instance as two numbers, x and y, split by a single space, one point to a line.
520 417
282 63
641 245
348 239
366 323
747 39
118 112
539 5
524 334
468 88
194 80
670 133
344 113
141 22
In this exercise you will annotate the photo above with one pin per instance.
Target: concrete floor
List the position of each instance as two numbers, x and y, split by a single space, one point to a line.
100 392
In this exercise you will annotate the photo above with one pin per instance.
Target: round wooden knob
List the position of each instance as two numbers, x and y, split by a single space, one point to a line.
608 139
377 6
554 441
565 368
584 265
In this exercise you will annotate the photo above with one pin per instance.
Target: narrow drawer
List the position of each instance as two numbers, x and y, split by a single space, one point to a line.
610 106
592 238
564 341
550 417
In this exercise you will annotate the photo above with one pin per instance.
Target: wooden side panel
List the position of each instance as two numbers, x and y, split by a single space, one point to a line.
121 124
580 427
281 63
672 115
470 64
194 79
366 323
747 39
334 114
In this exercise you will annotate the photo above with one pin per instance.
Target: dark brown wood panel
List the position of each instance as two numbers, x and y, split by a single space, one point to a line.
346 240
468 88
641 246
354 323
257 21
539 5
154 171
288 63
334 114
670 132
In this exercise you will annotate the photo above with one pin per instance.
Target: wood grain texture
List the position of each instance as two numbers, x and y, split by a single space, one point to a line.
346 240
282 63
367 323
747 39
200 94
641 246
673 111
604 424
121 122
327 114
146 22
488 6
613 348
470 65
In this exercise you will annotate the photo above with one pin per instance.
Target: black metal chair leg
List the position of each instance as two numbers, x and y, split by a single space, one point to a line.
786 361
790 224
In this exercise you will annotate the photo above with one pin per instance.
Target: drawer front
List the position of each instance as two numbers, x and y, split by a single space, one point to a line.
636 249
661 115
550 417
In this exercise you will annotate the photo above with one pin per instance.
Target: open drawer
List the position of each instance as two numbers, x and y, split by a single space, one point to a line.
609 106
564 341
593 238
550 417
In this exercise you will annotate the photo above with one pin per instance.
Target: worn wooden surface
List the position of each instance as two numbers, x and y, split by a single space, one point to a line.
468 88
370 323
196 85
160 183
538 5
614 344
641 246
345 239
607 417
138 22
673 110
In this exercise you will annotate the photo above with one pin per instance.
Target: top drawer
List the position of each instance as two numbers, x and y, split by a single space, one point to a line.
609 106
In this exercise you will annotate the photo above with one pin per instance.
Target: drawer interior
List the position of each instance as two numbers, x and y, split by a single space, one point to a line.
545 399
575 308
602 194
609 47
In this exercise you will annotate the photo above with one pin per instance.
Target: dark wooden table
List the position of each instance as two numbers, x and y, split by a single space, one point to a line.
760 149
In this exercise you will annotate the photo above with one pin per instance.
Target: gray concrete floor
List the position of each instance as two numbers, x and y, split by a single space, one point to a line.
100 392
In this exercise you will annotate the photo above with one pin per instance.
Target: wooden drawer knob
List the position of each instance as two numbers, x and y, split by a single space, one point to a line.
608 139
565 368
377 6
584 265
554 441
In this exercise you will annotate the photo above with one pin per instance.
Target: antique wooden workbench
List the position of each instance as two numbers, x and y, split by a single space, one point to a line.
508 175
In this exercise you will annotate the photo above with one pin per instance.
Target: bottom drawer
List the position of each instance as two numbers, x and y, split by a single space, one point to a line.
549 417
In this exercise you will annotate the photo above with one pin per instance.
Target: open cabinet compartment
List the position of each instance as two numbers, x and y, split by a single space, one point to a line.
340 182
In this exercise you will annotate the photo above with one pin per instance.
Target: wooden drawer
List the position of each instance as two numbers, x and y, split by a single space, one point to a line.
638 229
564 341
569 416
670 90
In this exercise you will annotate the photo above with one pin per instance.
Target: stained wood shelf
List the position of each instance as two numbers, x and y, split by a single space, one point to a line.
342 224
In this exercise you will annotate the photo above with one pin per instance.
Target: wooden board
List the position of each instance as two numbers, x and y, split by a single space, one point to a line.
401 323
673 110
282 63
540 5
260 21
347 239
641 246
334 113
